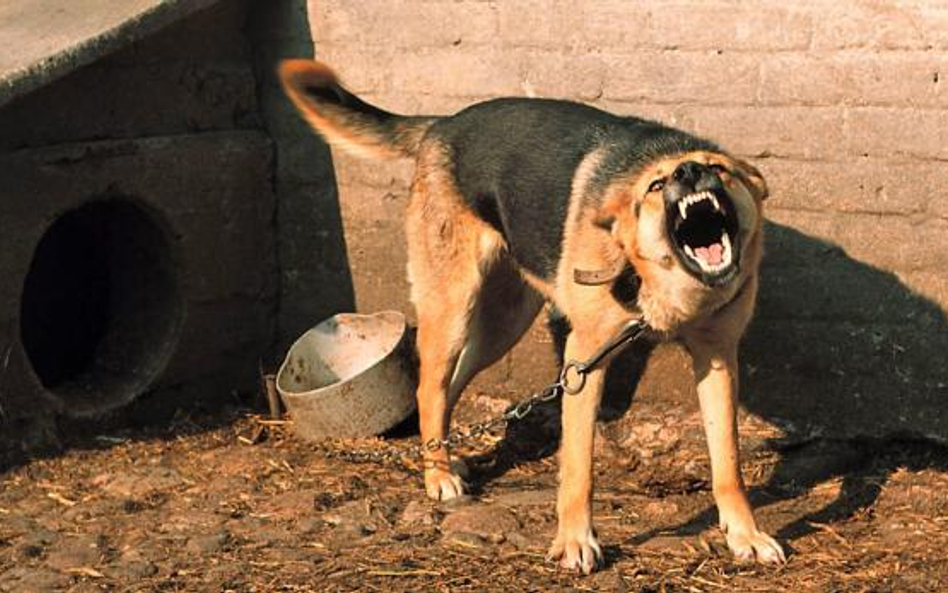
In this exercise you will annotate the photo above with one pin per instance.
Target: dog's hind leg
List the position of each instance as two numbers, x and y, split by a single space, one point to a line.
453 255
506 307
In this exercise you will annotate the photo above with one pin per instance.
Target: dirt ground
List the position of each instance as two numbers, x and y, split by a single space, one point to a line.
225 503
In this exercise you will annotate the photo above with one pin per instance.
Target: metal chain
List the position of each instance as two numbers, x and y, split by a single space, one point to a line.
395 456
571 381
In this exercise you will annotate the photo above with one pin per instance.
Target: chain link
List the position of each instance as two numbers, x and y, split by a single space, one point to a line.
395 456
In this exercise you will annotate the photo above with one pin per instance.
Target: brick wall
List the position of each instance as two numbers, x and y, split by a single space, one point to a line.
843 105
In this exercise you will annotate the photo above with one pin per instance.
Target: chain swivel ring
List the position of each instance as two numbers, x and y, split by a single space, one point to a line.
573 377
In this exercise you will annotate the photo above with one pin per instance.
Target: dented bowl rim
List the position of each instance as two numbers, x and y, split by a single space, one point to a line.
329 390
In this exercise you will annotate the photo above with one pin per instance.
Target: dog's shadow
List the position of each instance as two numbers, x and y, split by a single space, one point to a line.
840 352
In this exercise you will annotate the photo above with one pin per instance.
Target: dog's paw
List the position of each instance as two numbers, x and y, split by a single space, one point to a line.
753 545
441 484
576 550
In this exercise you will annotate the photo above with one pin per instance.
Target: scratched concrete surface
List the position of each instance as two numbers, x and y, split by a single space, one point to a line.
41 40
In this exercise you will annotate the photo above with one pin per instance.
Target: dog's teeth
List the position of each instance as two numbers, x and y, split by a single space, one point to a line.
688 201
691 253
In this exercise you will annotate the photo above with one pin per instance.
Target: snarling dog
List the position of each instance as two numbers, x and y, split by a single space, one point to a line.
518 202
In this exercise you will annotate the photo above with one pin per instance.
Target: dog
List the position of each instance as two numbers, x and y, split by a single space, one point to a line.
519 202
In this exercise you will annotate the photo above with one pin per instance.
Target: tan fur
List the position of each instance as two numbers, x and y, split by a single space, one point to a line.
462 283
474 303
343 128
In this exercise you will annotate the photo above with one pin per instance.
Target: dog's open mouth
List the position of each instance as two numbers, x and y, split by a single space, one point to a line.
703 228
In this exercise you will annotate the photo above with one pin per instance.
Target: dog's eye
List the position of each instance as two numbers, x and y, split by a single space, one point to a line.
657 185
718 168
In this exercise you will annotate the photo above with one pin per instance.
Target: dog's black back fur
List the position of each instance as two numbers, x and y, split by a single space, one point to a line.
515 160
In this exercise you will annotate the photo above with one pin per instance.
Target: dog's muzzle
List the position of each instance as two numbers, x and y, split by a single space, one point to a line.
703 229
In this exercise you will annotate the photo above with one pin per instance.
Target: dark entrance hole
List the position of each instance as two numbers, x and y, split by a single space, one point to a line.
100 307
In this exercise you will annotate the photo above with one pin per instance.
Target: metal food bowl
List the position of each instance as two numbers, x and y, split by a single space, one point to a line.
350 376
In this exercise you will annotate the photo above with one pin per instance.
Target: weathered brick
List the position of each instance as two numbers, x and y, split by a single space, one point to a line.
847 379
378 263
880 25
361 69
898 132
906 243
804 79
380 23
563 75
938 198
929 285
392 175
530 365
676 77
422 103
870 293
757 27
302 156
859 185
550 24
805 132
617 25
368 207
315 276
863 78
666 113
455 72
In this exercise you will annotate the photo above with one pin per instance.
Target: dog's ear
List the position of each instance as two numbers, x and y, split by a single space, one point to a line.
752 178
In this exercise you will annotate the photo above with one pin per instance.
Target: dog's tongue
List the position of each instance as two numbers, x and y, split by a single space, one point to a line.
712 254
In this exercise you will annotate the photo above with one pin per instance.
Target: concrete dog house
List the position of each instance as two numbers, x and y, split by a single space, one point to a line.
143 264
110 275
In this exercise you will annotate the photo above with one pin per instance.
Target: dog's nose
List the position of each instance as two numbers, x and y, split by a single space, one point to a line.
689 173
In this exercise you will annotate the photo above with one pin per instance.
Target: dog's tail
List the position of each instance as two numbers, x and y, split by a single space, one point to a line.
346 121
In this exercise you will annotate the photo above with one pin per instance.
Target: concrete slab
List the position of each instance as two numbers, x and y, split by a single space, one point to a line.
41 40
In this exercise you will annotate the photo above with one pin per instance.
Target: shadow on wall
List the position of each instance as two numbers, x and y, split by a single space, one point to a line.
844 355
315 279
842 349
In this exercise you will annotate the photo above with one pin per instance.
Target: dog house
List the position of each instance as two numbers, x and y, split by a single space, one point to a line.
139 236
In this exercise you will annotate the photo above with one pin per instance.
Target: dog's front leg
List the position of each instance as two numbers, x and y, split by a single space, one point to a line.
716 373
575 545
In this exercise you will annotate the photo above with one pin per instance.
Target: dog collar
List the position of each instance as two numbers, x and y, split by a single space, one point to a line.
599 277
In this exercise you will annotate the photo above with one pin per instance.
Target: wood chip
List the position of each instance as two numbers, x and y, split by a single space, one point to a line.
404 573
61 499
86 571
